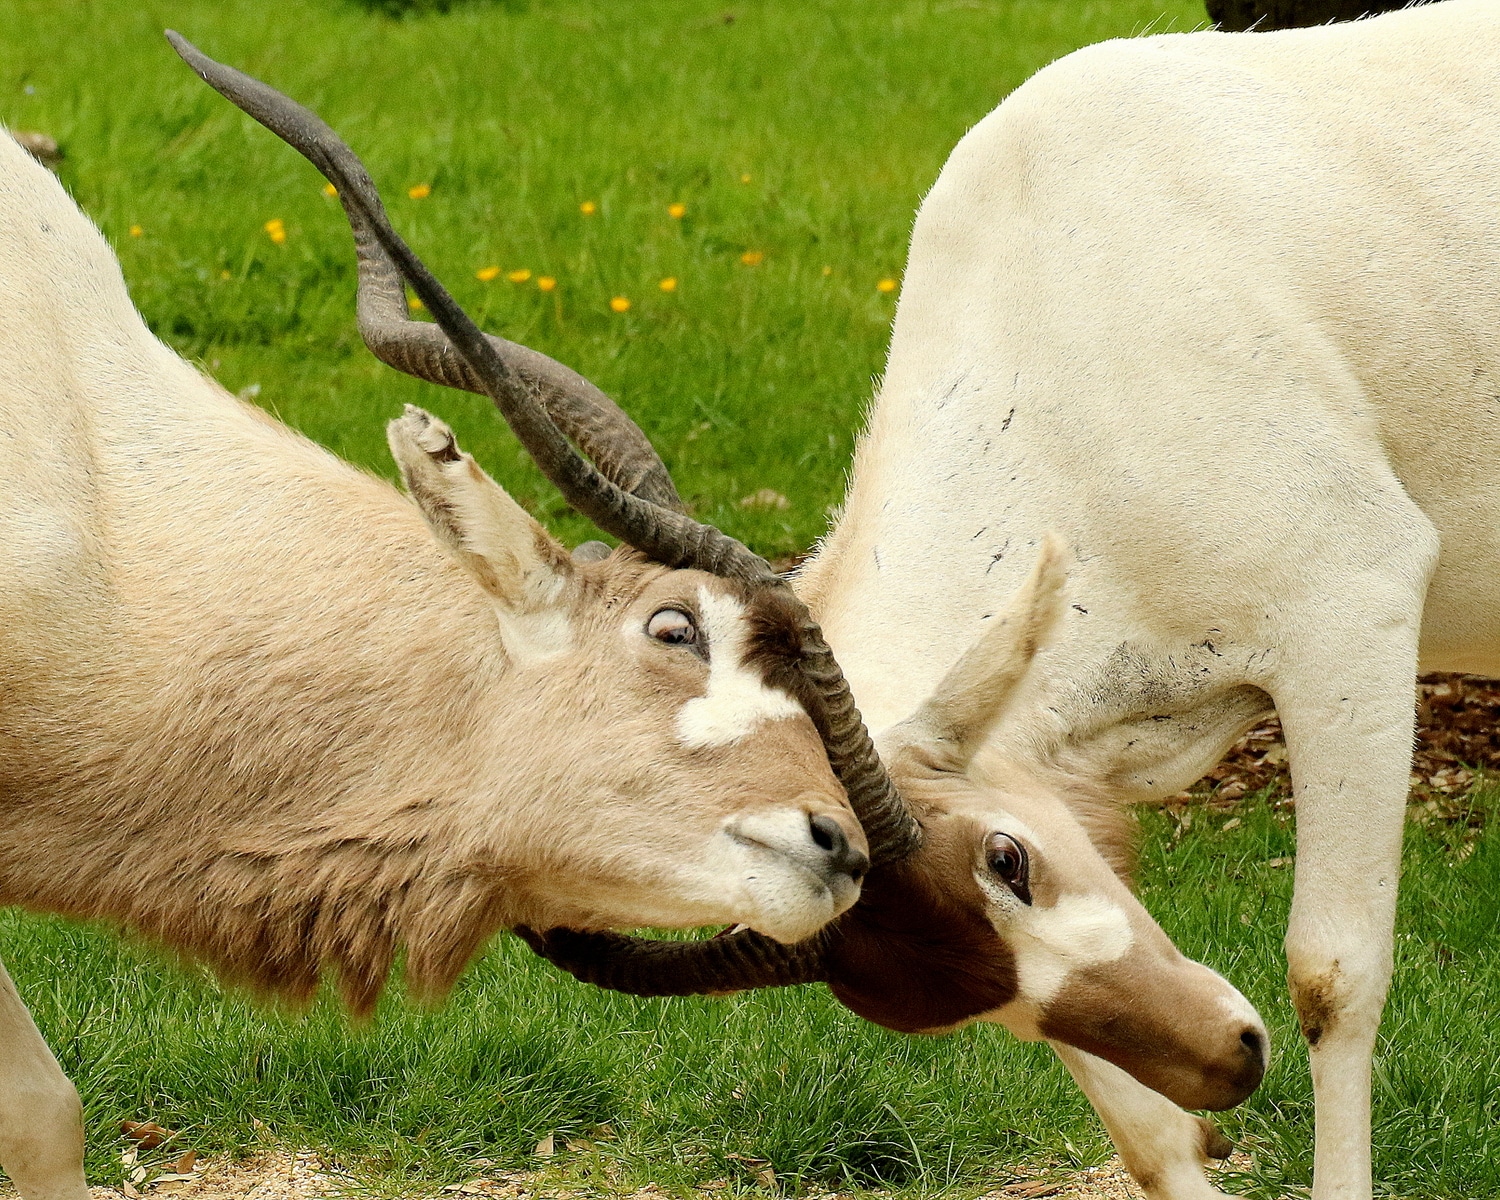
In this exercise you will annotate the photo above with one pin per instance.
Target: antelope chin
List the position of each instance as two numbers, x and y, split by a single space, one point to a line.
785 900
789 886
770 876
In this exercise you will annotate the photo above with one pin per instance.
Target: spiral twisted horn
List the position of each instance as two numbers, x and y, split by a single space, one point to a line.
731 962
625 490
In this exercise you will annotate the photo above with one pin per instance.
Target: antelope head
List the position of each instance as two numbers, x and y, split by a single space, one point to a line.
666 709
709 735
1006 911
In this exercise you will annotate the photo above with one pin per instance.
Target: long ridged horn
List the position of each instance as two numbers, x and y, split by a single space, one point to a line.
660 531
665 535
731 962
587 416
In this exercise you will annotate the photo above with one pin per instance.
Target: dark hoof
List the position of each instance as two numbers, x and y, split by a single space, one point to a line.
1215 1144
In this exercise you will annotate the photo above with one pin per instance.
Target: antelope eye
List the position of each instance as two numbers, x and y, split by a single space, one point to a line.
673 626
1007 859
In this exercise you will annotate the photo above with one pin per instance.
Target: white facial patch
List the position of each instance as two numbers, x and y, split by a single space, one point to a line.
737 699
1051 943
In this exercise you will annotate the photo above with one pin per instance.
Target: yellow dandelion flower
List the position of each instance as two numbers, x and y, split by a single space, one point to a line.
136 231
330 190
745 178
619 304
414 304
827 271
588 208
545 283
419 191
752 258
677 211
275 230
520 275
669 284
485 274
886 285
225 275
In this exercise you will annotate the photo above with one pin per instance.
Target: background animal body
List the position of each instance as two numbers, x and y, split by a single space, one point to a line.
960 1068
1266 15
1256 492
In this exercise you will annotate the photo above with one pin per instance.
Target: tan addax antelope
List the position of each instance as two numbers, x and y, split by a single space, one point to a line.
259 706
1223 310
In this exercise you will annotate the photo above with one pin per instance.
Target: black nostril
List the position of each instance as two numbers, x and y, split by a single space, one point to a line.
1251 1040
829 837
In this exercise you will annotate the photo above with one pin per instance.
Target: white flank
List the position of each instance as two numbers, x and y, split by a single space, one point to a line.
737 699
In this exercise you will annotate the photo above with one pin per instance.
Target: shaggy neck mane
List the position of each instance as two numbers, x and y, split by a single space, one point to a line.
266 741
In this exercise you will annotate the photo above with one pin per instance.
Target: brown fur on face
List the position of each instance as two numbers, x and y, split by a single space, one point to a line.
926 950
1173 1039
917 954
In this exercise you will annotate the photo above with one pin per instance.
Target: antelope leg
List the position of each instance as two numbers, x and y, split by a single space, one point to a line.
1349 738
41 1119
1163 1147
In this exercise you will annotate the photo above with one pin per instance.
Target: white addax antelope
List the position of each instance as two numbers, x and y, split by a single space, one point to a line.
1224 311
354 736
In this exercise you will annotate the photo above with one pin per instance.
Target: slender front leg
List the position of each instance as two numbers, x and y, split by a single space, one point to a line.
1349 723
41 1120
1163 1147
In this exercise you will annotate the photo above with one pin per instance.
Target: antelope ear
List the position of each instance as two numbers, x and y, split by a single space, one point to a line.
514 559
953 722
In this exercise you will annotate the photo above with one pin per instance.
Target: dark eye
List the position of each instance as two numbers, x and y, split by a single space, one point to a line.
1007 859
673 626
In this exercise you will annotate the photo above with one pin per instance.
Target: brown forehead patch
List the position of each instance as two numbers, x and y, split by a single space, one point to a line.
918 954
773 646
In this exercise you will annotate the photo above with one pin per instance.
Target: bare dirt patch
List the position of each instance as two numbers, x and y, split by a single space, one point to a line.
309 1176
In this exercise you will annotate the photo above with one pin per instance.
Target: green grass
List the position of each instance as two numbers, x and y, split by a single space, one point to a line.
747 377
786 1076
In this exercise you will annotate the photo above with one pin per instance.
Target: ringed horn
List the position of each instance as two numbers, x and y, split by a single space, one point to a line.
626 491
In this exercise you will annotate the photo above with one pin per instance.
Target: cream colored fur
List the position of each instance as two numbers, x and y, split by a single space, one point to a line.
1224 311
250 705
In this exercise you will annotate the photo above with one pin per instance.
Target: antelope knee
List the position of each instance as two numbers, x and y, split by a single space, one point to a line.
1318 994
1333 1000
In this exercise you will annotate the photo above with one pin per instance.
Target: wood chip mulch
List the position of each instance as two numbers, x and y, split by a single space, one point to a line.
1458 736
